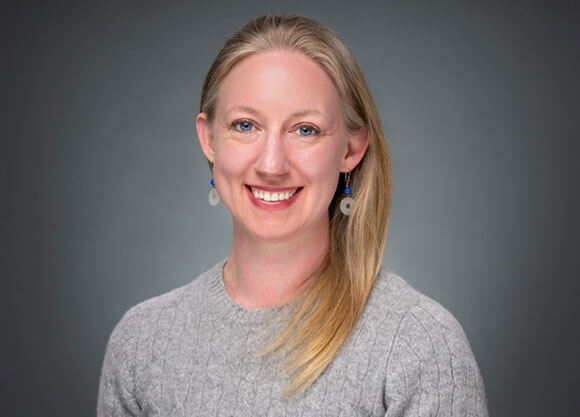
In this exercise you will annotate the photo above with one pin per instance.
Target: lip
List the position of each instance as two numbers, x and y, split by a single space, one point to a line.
272 205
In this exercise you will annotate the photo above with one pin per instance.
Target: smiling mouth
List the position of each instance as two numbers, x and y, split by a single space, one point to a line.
273 195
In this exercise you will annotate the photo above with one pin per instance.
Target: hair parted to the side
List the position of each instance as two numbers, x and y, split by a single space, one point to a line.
330 308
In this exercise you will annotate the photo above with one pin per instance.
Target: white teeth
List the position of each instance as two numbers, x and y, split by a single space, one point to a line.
273 196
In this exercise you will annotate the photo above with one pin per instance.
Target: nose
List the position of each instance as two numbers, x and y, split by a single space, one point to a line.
272 159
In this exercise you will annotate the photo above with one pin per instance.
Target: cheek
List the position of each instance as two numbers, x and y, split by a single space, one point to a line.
322 169
324 159
231 160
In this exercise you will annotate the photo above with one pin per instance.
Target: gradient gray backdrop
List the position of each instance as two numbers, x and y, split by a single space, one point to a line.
104 195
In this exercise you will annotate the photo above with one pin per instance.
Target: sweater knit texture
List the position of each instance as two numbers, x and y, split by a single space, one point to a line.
193 352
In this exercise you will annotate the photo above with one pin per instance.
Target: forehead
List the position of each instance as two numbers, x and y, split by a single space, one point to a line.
279 83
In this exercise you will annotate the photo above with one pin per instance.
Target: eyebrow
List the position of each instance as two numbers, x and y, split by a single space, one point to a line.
243 108
251 110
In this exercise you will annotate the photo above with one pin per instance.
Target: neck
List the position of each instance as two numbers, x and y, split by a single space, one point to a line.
263 274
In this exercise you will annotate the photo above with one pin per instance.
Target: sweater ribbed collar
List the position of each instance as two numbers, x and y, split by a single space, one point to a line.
225 308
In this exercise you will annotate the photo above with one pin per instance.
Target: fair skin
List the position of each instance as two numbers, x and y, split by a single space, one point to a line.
278 143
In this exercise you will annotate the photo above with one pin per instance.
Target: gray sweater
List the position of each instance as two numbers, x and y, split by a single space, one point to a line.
192 352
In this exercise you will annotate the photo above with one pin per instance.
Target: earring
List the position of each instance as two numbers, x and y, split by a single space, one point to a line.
347 202
213 197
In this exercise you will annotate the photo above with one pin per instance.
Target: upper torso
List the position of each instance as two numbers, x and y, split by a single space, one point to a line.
193 352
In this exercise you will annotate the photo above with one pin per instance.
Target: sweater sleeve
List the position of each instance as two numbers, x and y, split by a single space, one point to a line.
117 384
431 369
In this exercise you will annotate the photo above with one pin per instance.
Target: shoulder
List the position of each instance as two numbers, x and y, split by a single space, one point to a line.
140 336
420 319
430 362
155 314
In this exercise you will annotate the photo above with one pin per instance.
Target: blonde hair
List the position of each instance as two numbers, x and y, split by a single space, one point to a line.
328 311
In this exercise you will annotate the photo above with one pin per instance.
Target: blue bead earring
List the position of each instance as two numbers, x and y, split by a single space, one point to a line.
347 202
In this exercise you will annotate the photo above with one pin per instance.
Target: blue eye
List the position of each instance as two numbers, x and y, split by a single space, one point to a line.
243 126
306 130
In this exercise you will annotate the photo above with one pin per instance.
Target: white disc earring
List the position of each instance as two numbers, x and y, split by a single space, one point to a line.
347 202
213 197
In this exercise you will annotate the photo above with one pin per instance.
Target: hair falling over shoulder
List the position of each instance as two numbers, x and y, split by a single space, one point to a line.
330 308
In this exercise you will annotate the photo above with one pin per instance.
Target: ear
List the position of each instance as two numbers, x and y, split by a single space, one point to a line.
356 148
205 136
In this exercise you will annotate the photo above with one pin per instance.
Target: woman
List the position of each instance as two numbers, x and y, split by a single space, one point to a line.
300 319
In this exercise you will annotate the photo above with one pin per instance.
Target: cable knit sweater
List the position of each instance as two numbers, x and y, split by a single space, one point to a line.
192 352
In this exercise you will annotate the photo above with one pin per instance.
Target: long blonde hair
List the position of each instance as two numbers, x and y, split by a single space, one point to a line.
330 308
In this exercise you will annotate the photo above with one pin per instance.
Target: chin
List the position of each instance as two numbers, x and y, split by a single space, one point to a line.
272 233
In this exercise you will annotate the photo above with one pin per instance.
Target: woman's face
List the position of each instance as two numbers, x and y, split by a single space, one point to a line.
278 143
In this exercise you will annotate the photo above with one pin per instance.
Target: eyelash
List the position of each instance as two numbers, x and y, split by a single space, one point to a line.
237 123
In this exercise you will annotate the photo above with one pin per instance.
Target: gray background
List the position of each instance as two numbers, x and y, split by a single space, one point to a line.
104 191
